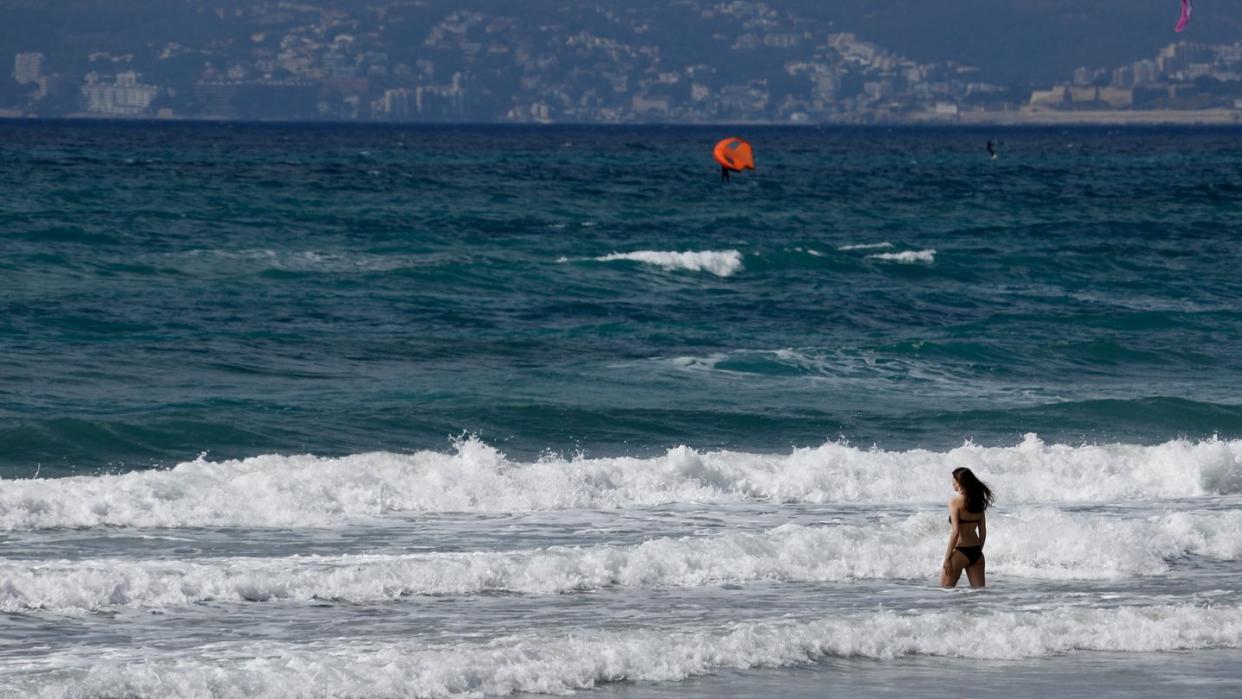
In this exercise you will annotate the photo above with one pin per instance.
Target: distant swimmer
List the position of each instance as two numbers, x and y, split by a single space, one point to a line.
968 530
992 149
734 155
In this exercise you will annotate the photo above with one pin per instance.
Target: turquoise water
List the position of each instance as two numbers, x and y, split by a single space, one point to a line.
446 410
243 290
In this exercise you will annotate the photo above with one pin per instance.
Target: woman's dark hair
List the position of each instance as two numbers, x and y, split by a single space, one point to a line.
978 495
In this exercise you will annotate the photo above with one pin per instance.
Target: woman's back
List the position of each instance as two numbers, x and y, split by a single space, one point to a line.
968 530
967 523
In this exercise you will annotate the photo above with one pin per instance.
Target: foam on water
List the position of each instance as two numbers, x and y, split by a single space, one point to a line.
563 662
292 491
906 257
865 246
722 263
865 367
1041 544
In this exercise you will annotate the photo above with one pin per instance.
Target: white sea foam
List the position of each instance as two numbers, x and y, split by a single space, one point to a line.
563 662
906 257
300 491
866 246
722 263
1041 544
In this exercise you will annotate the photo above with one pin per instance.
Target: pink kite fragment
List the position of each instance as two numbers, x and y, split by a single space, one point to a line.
1185 18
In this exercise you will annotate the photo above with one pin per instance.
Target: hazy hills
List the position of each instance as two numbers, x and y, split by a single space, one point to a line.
1012 41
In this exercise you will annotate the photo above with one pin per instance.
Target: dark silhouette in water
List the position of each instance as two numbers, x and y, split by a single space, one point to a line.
992 149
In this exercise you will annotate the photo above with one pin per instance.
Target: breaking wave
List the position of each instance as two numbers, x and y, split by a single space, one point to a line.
1038 543
559 663
303 490
906 257
722 263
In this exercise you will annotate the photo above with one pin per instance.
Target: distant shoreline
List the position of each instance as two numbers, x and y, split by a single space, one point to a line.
1039 118
1201 117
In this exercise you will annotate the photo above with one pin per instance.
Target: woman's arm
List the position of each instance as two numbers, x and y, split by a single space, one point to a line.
983 529
953 533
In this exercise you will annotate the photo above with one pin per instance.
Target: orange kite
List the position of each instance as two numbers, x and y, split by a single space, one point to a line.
734 155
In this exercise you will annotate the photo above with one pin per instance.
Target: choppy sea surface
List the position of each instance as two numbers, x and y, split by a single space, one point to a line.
440 412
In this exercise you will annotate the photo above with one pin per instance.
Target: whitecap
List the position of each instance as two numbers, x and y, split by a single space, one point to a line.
906 257
722 263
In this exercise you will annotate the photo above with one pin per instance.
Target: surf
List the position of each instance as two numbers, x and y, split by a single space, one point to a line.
310 491
579 659
1030 544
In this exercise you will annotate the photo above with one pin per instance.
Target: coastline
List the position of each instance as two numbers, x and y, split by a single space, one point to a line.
1025 117
1202 117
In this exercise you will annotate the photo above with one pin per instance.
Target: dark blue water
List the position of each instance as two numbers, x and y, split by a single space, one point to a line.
167 290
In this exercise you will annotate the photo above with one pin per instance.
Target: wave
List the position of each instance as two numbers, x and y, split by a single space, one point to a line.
865 246
299 261
722 263
906 257
1039 544
559 663
309 491
862 365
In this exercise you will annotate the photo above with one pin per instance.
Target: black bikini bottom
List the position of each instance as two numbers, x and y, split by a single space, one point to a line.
972 553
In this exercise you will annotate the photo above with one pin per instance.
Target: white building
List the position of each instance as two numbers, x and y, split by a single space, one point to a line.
124 97
1145 72
398 104
28 68
1058 95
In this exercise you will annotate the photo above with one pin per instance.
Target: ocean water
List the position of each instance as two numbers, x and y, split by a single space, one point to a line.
472 411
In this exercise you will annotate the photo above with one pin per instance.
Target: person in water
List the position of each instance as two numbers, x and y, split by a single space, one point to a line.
991 149
968 530
724 174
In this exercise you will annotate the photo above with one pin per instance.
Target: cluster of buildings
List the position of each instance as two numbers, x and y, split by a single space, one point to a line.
1181 76
613 66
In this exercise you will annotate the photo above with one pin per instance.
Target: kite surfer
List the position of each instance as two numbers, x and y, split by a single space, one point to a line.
734 155
992 149
1184 19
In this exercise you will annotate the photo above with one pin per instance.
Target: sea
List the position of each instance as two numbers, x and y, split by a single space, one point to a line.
468 411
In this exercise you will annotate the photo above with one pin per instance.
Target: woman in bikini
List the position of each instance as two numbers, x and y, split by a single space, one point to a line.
968 530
